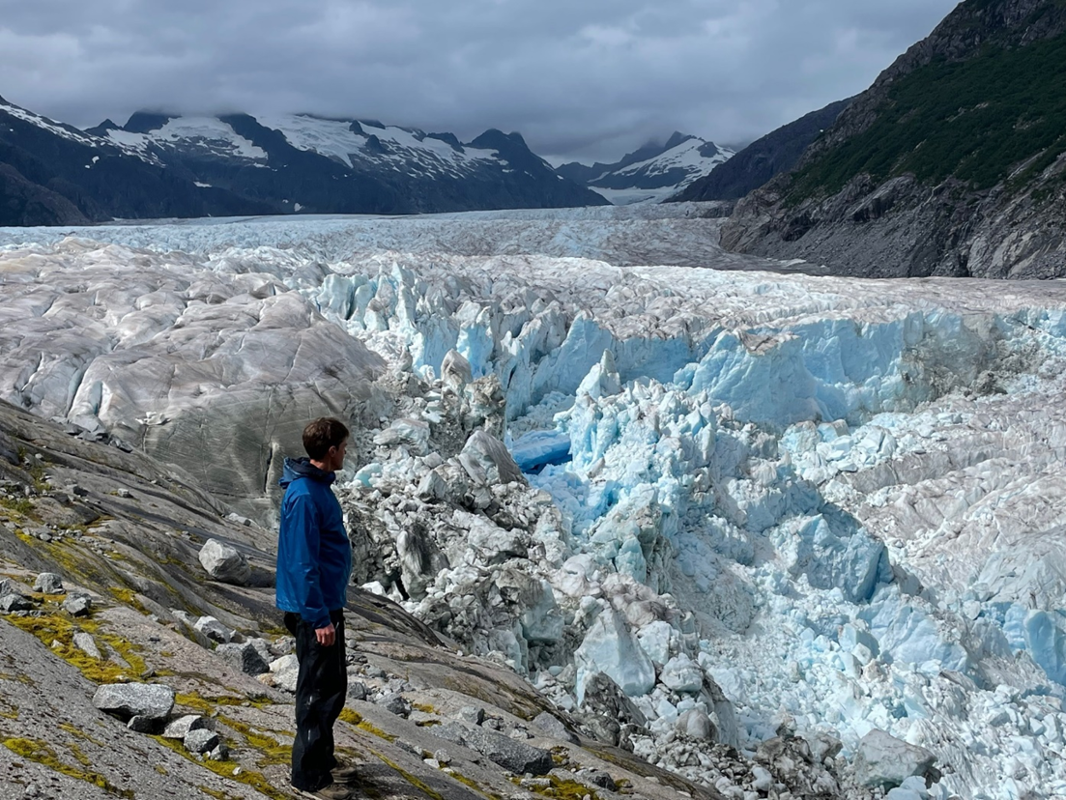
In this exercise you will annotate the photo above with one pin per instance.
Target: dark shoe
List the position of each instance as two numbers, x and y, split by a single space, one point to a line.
332 792
345 774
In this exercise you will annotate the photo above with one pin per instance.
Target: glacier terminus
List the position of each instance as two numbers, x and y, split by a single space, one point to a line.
723 501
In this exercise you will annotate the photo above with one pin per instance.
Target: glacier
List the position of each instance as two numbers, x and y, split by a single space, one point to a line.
761 501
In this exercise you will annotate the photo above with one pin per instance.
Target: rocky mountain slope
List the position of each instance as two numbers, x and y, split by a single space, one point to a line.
159 166
763 159
53 174
952 163
299 163
651 173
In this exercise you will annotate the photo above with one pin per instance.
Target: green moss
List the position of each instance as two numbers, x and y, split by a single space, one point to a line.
425 708
40 753
128 597
20 505
560 789
407 776
976 120
73 730
224 769
470 783
51 628
356 720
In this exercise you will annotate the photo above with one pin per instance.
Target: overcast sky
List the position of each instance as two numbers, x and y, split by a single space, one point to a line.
579 79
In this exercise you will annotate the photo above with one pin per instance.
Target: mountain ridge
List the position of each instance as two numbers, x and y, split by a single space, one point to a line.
652 172
164 165
952 163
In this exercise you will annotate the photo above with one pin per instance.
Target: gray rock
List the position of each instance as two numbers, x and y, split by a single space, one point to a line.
224 563
238 519
283 646
597 777
10 603
182 726
554 727
262 646
214 630
518 757
127 700
78 605
357 690
201 740
475 715
7 586
143 724
885 761
84 642
395 704
48 583
244 656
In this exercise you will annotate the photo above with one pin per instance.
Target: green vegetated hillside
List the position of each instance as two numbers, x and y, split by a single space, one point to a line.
976 120
952 163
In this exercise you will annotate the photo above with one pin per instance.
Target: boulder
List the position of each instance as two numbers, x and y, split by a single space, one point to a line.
244 657
143 724
48 583
78 605
127 700
885 761
214 630
85 642
512 755
554 727
224 563
201 740
10 603
181 727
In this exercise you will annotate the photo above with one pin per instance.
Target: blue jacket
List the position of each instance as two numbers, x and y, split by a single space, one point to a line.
314 554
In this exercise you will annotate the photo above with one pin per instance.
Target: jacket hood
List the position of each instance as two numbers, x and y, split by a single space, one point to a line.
303 468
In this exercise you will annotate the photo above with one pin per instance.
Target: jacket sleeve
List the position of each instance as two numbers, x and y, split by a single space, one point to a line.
306 564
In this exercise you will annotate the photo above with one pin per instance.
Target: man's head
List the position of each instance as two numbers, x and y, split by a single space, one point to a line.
326 442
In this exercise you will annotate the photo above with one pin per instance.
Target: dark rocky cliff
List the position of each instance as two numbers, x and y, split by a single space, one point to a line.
763 159
952 163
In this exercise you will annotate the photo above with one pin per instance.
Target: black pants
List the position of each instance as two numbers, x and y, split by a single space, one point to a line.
320 692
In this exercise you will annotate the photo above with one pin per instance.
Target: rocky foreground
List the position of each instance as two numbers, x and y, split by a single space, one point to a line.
126 603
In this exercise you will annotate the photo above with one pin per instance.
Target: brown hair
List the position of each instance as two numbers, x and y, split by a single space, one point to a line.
322 434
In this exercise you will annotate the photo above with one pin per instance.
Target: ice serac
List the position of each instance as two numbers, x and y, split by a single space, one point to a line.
610 648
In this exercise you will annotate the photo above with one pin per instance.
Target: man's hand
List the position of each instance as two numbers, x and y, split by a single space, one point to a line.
326 636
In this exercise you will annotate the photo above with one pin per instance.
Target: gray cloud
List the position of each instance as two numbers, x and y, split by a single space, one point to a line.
588 79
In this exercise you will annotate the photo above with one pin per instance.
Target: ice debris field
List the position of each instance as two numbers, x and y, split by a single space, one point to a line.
841 502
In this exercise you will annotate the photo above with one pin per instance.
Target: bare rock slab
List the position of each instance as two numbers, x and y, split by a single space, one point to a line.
512 755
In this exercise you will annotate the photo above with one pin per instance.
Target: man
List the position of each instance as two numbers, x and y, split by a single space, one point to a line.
314 565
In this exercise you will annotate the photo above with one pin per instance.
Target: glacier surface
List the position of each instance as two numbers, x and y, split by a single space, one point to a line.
756 498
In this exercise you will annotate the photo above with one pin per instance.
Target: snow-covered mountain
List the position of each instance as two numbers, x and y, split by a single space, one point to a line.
652 173
298 162
55 174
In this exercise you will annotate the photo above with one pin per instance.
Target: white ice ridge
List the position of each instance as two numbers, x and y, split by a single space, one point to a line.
851 492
